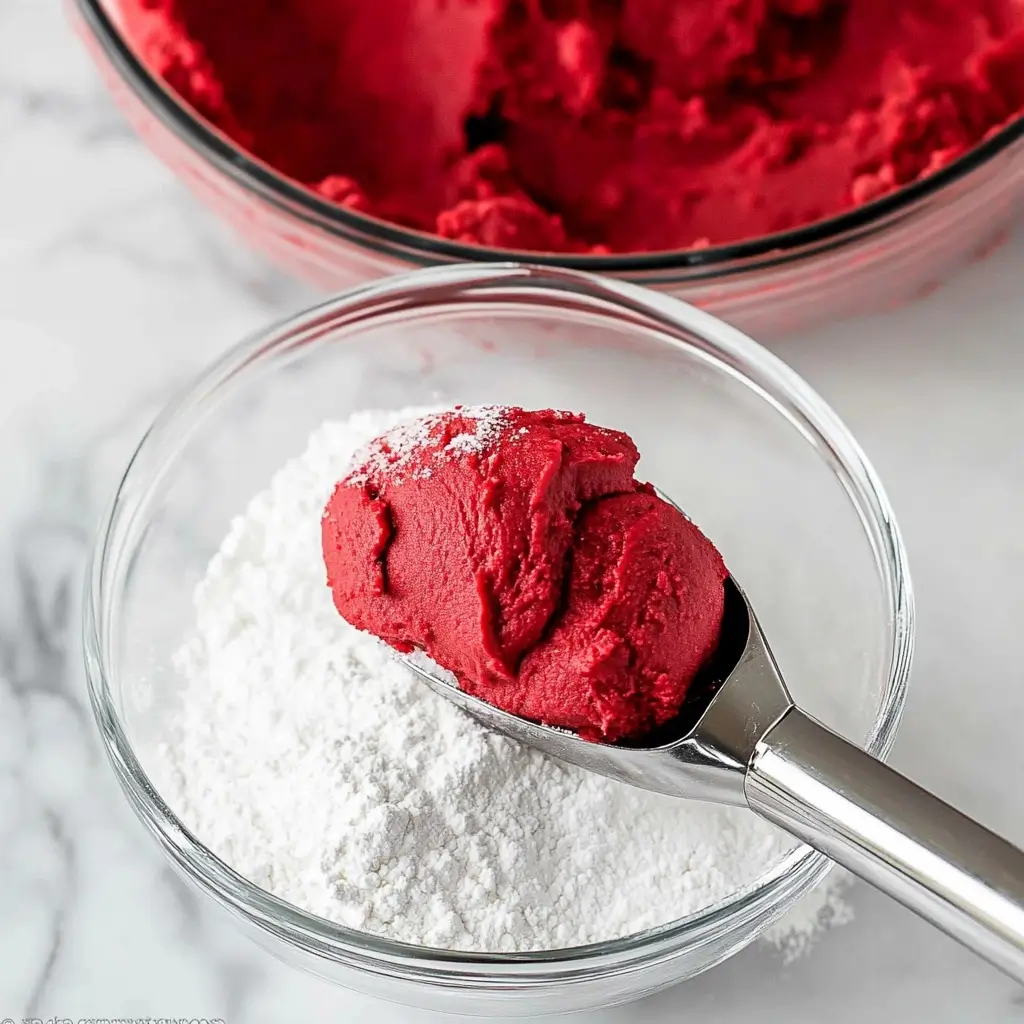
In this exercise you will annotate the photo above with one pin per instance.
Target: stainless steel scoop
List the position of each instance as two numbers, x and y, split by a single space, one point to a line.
745 742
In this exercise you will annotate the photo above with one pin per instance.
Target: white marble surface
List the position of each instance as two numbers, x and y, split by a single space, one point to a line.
114 286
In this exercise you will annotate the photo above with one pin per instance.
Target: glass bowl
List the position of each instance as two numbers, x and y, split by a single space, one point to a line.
727 430
881 254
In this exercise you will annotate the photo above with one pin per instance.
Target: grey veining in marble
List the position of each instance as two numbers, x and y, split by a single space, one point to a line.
115 286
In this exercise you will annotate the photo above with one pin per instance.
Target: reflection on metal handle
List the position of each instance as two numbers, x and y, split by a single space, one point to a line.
895 835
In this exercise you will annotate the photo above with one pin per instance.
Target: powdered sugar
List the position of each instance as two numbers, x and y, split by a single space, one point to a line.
489 421
392 452
824 907
318 766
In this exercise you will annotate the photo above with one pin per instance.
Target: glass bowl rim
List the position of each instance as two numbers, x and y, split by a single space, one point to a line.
420 248
748 360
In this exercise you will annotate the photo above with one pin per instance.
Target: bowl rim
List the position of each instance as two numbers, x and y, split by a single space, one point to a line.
421 248
115 544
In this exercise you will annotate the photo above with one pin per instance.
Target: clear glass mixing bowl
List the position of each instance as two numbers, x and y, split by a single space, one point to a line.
733 435
883 253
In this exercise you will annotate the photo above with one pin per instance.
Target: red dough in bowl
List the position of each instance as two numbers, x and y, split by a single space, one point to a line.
594 125
518 551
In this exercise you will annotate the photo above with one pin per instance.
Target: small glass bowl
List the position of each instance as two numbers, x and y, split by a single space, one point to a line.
732 434
886 252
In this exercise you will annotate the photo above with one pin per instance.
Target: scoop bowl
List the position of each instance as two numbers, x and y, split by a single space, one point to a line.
701 754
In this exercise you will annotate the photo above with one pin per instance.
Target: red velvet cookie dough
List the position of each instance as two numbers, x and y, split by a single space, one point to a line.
595 125
518 551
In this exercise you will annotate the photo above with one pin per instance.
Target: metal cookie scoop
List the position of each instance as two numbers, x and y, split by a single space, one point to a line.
746 743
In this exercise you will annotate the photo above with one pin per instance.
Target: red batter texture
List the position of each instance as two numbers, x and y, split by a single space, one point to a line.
518 551
595 125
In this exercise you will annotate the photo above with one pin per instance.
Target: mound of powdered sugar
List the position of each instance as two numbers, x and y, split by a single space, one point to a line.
318 766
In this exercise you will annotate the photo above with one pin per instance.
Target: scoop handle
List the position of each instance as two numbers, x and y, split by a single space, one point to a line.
864 815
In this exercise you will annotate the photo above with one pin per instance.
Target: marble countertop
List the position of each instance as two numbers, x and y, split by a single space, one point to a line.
115 285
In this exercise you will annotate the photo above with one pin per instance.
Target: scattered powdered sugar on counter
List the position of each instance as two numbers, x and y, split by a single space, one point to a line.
798 930
318 766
